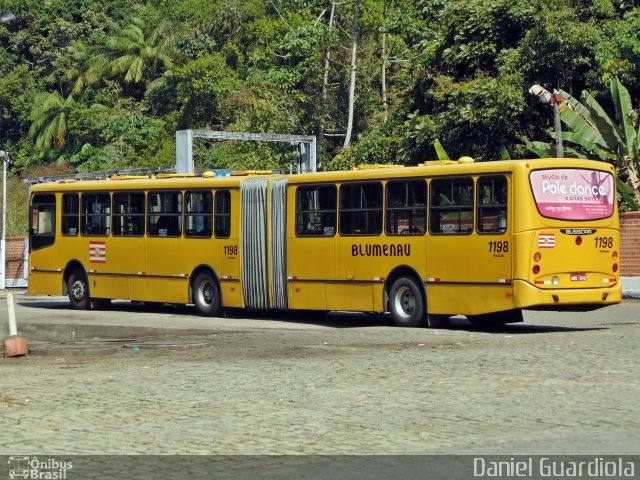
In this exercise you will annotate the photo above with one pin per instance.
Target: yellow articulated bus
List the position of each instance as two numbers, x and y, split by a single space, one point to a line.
485 240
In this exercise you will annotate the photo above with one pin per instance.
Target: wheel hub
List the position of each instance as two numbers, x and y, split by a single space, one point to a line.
78 290
405 301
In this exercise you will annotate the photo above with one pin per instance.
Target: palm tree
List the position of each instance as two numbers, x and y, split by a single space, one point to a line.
49 117
594 134
139 54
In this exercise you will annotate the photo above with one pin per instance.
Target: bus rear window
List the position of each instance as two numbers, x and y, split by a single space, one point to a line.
573 194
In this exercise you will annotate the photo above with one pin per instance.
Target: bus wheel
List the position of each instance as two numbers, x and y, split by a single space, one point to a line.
206 295
406 304
78 289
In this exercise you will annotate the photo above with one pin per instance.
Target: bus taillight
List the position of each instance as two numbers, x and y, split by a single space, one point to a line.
536 269
537 256
614 256
578 240
615 267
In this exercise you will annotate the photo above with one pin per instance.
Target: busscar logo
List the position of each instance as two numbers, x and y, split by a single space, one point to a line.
38 469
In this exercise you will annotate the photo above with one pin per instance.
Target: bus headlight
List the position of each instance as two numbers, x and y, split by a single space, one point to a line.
555 281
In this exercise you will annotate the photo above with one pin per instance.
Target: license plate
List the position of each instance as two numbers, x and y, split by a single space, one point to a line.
578 277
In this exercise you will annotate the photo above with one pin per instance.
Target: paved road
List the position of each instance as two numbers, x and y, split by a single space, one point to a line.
323 384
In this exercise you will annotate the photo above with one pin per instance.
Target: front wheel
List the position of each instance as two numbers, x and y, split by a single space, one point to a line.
406 304
206 295
78 290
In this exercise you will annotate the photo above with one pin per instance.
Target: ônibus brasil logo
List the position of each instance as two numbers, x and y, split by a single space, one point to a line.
33 468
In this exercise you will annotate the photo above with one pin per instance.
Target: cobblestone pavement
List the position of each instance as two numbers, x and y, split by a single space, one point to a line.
560 383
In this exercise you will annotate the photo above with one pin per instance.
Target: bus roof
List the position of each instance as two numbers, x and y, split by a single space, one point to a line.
369 172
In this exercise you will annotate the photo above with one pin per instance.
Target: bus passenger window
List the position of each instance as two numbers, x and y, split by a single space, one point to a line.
70 214
361 209
492 205
198 217
128 214
451 206
406 207
316 211
42 228
95 219
222 219
164 214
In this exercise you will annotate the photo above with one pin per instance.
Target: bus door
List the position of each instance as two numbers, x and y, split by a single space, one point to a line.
124 249
360 240
469 250
311 245
165 277
42 237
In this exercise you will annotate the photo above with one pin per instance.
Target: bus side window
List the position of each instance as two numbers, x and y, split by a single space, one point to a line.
95 219
42 228
128 214
451 206
406 211
222 217
492 205
361 208
198 215
70 214
164 217
316 211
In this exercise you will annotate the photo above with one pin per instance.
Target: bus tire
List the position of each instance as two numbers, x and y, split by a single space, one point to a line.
78 290
406 304
206 295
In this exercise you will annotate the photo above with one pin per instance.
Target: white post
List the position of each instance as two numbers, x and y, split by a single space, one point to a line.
11 311
3 244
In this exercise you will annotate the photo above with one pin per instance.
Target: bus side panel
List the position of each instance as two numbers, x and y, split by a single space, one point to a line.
466 275
167 276
311 262
469 299
122 262
45 283
47 279
230 266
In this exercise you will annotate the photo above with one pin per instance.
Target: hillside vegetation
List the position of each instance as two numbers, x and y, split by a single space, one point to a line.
92 85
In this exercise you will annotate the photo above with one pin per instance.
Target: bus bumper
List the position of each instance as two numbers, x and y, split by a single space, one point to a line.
531 297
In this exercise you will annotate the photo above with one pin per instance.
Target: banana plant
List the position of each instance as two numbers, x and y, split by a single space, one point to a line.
594 134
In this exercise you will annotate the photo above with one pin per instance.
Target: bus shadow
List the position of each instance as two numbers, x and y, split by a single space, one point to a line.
460 323
335 320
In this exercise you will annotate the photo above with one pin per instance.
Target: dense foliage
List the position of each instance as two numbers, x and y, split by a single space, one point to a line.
97 85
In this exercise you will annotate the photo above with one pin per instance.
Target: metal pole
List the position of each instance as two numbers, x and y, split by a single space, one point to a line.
556 119
3 245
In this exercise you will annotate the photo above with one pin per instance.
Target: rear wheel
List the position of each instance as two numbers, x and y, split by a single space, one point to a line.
206 295
406 304
78 290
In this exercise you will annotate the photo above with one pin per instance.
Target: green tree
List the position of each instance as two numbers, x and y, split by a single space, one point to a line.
49 117
137 54
595 134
